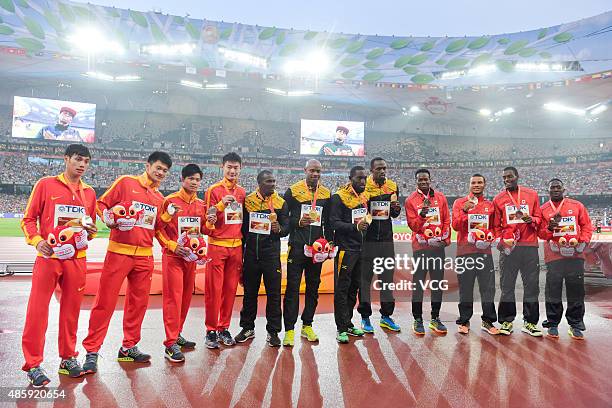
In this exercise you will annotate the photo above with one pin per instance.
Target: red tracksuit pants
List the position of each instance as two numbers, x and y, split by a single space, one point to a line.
220 284
138 270
178 284
46 275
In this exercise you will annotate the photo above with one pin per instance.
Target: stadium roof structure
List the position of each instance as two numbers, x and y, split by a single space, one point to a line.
53 30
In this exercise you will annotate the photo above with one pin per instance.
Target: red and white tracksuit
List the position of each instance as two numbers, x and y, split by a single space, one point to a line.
570 209
531 205
129 255
484 210
225 250
438 205
54 201
178 274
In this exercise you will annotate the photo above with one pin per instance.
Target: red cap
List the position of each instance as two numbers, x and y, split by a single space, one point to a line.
69 110
342 128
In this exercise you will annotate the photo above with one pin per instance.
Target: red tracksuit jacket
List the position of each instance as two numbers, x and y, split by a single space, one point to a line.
483 213
228 228
504 214
53 202
438 214
138 189
575 216
192 215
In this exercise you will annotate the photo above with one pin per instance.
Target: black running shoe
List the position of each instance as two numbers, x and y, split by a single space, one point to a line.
173 353
273 340
133 355
226 338
91 363
244 335
37 377
211 340
71 368
186 344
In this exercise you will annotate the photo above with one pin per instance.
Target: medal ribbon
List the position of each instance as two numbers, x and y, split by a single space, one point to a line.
266 200
518 198
315 194
364 202
232 186
425 197
555 209
81 195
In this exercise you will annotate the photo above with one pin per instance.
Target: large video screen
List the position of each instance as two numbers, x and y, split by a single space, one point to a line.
36 118
332 138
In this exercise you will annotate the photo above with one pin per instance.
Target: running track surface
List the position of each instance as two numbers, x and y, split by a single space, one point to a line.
385 369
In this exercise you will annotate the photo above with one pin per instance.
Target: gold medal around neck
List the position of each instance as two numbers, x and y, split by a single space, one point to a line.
313 214
273 217
368 218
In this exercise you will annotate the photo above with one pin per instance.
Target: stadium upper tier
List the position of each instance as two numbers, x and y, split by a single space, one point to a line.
51 29
121 134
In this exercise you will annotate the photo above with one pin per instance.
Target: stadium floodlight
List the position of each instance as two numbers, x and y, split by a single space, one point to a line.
244 58
415 109
100 75
546 66
598 109
127 78
215 86
191 84
315 63
507 111
275 91
168 49
452 74
482 69
299 93
485 112
555 107
92 41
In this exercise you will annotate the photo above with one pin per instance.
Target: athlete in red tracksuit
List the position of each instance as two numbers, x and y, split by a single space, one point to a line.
517 217
429 219
225 199
55 201
567 228
178 272
473 220
130 255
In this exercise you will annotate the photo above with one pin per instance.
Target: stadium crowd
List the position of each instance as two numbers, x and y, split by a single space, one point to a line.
580 178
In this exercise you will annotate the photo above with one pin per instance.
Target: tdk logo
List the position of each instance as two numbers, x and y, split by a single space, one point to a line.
479 217
71 209
146 207
190 219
